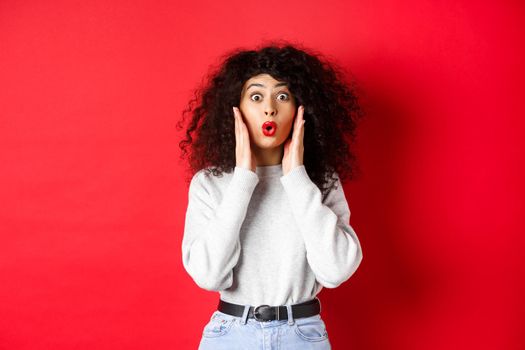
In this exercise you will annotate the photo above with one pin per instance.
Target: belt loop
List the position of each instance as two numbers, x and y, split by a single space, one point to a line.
290 314
244 317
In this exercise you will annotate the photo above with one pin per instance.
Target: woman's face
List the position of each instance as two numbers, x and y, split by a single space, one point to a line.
268 108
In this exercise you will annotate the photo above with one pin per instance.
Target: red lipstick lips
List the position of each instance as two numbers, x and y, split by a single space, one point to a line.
269 128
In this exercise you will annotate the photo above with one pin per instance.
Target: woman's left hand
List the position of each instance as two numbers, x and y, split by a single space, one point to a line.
294 147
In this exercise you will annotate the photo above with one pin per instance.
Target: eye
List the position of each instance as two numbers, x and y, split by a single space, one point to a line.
286 96
254 95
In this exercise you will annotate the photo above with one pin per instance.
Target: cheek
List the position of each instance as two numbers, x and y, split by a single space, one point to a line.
288 124
248 117
287 130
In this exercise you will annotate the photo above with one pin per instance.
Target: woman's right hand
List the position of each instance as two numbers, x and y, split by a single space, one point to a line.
243 153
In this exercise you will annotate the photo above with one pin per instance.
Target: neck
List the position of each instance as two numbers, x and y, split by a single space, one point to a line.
264 157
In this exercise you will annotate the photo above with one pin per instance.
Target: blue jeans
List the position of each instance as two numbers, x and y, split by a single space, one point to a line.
226 332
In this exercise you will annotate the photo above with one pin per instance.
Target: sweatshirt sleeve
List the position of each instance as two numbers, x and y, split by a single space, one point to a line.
333 250
211 244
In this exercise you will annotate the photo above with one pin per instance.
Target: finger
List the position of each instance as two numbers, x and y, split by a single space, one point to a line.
243 130
236 125
246 135
301 136
298 121
240 132
302 121
242 136
300 113
297 125
299 117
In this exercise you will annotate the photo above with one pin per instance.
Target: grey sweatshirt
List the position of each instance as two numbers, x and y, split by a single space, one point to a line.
264 238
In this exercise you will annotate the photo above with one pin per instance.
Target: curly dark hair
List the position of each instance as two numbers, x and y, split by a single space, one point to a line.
331 110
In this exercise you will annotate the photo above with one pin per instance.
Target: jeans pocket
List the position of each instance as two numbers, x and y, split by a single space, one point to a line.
312 329
219 325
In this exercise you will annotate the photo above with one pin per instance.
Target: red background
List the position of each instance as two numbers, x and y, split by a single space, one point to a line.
93 197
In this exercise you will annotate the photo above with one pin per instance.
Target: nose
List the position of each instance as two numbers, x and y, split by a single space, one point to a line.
270 111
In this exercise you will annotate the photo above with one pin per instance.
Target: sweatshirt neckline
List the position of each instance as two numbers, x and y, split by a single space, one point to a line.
269 170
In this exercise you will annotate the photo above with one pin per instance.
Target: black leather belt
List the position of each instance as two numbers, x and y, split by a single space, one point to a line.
271 313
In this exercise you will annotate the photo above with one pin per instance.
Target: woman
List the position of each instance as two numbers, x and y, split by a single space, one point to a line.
267 223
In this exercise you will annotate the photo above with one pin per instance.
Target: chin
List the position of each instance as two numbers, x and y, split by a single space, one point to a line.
269 144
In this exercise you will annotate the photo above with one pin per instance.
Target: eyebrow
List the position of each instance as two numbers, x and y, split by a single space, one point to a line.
261 85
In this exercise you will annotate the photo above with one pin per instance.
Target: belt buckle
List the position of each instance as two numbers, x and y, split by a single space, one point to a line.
256 313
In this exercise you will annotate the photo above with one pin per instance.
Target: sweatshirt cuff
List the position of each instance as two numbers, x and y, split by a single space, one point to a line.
297 181
244 180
